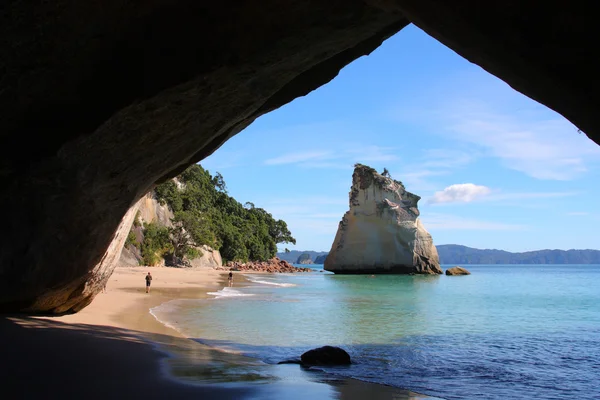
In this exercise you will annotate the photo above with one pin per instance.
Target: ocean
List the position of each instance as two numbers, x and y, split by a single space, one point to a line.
504 332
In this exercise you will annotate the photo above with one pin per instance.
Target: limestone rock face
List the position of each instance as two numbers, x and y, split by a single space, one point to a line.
210 258
457 271
149 210
382 232
152 211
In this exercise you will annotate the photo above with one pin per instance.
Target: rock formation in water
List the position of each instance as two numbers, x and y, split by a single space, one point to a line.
304 258
101 100
457 271
382 232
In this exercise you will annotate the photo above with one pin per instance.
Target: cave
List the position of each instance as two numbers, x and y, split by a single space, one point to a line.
100 101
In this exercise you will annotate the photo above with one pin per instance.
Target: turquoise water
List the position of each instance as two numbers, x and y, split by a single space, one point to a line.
506 331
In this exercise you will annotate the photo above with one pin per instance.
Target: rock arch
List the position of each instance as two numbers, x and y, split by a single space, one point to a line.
98 101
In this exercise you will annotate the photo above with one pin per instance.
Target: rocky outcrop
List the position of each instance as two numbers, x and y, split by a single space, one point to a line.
457 271
101 100
273 265
210 258
326 355
151 210
382 232
304 259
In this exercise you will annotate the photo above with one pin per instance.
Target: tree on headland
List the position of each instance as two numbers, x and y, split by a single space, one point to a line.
156 243
219 183
206 215
386 173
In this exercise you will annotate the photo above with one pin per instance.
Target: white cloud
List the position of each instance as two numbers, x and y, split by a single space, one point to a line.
578 214
522 135
468 192
460 193
549 149
438 222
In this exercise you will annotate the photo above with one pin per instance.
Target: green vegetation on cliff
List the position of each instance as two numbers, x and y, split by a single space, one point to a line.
206 215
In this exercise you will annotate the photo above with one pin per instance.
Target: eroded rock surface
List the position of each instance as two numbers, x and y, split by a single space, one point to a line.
457 271
382 232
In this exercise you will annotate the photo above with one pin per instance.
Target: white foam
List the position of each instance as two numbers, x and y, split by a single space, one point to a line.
165 308
254 280
229 292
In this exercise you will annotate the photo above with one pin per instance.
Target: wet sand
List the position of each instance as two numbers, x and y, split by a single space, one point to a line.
115 348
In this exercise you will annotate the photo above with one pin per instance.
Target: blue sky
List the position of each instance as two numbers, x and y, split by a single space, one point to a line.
494 168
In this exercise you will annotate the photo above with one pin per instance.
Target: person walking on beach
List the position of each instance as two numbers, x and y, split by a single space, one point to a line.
148 280
230 279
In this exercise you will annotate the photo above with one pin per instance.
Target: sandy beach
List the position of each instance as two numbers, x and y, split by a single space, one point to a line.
115 348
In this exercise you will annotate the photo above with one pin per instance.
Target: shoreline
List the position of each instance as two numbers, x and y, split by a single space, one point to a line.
178 363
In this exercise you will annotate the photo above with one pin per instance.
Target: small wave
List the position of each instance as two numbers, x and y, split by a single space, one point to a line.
165 308
254 280
229 292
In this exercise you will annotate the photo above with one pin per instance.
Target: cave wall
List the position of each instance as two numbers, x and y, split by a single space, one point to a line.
101 100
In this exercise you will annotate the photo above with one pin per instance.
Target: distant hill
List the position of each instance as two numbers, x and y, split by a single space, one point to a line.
321 259
293 255
456 254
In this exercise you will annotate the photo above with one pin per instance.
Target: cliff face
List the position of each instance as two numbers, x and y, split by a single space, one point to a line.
150 210
382 232
210 258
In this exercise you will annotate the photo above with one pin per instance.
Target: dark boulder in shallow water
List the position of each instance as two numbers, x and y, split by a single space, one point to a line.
457 271
326 355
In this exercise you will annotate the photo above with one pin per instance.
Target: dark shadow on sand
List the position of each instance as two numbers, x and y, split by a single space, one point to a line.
43 358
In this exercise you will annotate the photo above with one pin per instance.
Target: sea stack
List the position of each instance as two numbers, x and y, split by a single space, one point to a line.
382 232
